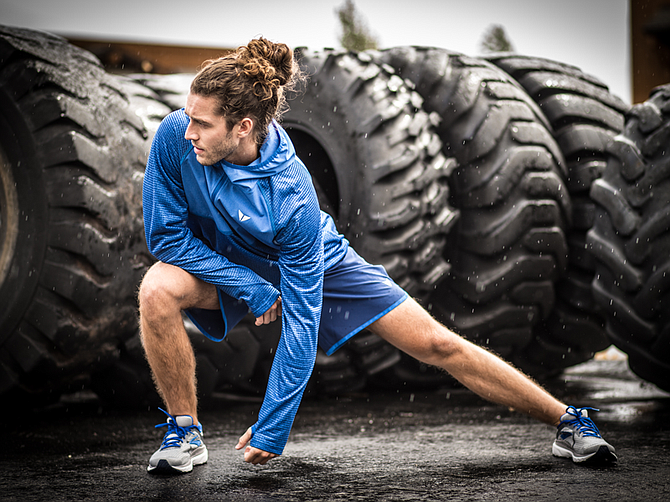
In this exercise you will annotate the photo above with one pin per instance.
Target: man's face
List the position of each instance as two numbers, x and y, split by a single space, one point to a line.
208 132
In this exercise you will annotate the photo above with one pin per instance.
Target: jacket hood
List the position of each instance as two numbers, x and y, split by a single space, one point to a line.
276 154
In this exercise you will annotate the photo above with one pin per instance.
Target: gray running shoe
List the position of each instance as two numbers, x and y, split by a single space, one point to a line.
182 447
579 438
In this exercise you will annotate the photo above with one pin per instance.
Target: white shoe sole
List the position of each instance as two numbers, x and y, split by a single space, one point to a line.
165 467
602 454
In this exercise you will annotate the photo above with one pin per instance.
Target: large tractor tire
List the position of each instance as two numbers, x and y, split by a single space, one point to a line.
72 155
373 151
631 239
379 170
510 245
585 117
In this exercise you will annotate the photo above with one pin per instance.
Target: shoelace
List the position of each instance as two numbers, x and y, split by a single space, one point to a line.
583 424
175 433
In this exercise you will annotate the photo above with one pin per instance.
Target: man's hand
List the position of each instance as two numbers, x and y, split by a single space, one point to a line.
271 314
253 455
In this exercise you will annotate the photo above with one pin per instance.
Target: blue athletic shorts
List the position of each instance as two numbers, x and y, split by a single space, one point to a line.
355 294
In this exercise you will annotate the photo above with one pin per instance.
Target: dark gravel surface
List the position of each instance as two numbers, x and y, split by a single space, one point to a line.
427 445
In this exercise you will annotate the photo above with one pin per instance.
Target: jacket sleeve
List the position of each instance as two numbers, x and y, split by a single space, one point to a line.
301 266
171 241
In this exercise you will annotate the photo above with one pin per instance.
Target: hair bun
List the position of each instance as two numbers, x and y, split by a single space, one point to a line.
267 61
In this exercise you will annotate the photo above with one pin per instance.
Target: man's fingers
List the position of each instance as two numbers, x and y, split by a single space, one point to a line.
257 457
253 455
244 440
266 318
271 314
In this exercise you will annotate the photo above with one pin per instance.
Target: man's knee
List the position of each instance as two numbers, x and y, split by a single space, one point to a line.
440 343
157 290
166 288
412 329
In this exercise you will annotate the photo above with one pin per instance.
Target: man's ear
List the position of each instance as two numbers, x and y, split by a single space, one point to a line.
246 127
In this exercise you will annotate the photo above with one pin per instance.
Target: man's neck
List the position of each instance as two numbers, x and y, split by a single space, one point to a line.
244 154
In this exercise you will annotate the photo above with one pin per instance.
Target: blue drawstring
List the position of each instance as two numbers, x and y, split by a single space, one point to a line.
583 424
175 434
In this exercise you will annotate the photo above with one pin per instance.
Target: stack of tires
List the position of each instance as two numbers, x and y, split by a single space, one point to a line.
504 194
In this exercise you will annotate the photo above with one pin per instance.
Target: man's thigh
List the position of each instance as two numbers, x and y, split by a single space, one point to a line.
414 331
179 286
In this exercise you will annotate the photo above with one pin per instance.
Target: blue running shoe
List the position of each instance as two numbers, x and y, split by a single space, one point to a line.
579 438
182 446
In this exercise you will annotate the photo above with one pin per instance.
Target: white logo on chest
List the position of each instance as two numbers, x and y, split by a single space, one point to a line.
242 216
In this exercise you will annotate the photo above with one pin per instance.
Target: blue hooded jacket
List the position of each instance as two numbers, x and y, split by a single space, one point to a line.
256 232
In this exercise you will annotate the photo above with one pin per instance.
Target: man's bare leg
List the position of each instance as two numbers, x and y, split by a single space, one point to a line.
165 291
410 328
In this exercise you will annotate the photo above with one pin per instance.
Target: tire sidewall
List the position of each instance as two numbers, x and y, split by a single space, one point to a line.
23 271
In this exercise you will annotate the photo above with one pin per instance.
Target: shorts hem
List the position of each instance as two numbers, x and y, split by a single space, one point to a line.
347 337
223 316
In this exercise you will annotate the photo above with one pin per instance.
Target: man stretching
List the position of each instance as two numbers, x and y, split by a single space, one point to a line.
233 217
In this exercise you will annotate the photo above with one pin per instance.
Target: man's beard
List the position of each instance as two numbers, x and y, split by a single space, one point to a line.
221 152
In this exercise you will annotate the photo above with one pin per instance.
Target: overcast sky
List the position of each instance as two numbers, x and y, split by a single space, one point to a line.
590 34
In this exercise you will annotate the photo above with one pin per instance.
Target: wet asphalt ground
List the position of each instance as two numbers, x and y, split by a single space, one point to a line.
401 446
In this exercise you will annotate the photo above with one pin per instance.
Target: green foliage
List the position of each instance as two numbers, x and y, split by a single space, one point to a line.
355 33
495 39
